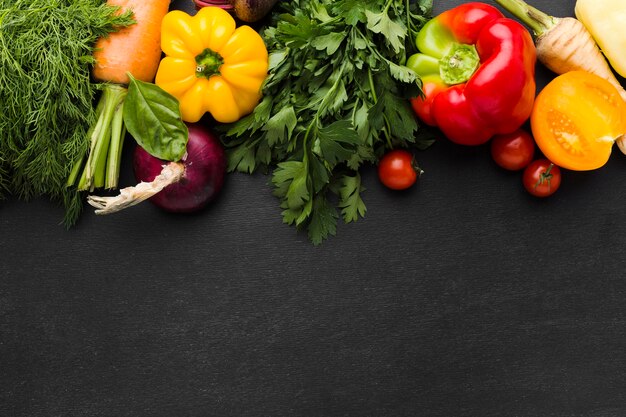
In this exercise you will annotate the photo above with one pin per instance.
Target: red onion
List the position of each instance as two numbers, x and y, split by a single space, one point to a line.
202 180
180 187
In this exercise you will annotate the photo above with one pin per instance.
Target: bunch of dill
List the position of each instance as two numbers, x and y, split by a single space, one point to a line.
46 94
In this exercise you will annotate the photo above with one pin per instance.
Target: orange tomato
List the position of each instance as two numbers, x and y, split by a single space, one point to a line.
576 119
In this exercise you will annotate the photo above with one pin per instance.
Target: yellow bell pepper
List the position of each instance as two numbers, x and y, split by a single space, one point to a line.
210 65
576 119
605 20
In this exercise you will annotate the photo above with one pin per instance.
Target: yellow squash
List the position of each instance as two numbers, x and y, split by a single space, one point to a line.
210 65
606 21
576 120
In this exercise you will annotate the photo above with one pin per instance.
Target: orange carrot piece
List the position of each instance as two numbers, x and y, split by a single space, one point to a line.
136 48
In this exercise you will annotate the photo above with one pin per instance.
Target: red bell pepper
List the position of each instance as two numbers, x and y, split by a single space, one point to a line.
478 73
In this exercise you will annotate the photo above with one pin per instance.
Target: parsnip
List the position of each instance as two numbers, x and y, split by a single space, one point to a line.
563 43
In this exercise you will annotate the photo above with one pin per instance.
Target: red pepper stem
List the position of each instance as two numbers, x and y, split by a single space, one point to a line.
538 21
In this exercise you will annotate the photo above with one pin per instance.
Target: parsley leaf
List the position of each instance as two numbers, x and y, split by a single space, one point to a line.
352 207
290 179
280 126
337 141
393 31
329 42
323 221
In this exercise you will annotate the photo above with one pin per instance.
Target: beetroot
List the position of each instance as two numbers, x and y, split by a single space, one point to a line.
223 4
246 10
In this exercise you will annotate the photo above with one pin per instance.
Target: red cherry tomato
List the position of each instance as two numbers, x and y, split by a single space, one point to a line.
397 169
542 178
513 151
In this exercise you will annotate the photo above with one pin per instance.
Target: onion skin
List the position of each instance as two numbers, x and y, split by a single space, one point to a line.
203 179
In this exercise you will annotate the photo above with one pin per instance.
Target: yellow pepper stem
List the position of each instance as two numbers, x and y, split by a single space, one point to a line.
208 63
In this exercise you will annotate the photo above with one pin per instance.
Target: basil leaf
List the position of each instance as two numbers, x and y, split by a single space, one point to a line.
152 117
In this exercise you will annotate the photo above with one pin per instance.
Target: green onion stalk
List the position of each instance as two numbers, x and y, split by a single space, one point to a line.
100 167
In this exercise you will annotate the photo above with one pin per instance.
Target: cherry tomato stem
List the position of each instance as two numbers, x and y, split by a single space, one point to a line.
545 177
542 178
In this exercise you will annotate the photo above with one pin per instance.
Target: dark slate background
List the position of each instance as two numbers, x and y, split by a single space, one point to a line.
462 297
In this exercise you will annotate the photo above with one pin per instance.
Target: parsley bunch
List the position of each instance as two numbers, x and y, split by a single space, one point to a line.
335 99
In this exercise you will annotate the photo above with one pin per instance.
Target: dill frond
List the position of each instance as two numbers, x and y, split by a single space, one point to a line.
46 93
